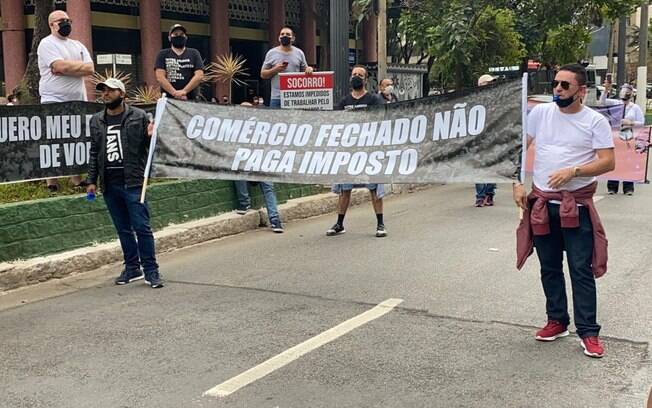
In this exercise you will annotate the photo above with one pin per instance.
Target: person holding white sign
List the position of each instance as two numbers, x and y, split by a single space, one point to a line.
358 98
284 58
63 63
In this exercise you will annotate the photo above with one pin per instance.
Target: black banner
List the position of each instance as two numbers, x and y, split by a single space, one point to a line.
45 141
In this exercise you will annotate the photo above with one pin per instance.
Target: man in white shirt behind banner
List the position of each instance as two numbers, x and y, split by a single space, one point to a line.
63 63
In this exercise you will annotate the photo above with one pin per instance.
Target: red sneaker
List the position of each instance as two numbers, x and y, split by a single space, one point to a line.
489 200
553 330
592 346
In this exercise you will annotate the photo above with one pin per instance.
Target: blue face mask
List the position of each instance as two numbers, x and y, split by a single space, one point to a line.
563 103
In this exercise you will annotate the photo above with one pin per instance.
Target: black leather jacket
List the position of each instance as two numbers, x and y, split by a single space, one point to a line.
135 146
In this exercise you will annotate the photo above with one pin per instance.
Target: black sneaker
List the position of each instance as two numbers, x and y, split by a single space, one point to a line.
154 281
336 229
242 210
629 192
277 227
128 277
380 231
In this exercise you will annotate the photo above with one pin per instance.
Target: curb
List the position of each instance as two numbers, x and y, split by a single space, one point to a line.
22 273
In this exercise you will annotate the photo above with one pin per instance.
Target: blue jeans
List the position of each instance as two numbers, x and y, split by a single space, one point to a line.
130 216
275 103
483 190
268 194
578 244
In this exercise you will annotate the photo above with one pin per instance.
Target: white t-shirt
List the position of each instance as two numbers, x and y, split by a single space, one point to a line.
60 88
565 140
633 112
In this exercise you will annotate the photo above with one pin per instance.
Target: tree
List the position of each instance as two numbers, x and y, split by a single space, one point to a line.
471 38
27 90
566 44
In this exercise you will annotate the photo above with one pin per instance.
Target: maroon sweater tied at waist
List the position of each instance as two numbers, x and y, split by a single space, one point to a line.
536 222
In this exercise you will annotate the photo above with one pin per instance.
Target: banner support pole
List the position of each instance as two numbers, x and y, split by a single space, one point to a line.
160 107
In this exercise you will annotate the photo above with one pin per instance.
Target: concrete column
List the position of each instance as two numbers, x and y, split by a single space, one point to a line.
14 49
370 39
150 38
339 44
276 20
79 12
309 30
219 42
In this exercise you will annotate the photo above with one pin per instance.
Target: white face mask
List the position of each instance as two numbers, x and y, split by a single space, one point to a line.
388 89
625 93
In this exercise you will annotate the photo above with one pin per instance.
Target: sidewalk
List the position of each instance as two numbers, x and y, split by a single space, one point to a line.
17 274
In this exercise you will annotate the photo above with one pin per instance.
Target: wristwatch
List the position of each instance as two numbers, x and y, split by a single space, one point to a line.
576 171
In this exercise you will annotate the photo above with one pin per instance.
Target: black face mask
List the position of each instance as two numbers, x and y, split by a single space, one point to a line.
114 104
285 41
178 41
357 83
65 28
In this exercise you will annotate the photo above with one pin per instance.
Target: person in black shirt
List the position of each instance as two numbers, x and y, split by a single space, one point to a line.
120 137
358 98
179 70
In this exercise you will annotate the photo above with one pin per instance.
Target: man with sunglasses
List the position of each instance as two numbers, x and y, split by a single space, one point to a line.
573 145
63 63
284 58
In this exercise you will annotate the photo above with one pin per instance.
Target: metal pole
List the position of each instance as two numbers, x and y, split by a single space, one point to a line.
382 40
622 50
339 36
641 74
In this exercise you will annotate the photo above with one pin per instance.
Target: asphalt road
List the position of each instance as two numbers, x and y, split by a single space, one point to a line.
462 337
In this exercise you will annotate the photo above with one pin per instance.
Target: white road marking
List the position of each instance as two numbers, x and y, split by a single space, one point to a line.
234 384
597 198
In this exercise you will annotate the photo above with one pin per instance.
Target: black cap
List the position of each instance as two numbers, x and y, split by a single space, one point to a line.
178 27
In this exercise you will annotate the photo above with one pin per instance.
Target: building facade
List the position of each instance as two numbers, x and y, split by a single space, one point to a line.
215 27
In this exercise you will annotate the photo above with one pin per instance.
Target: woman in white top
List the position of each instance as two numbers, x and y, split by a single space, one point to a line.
633 118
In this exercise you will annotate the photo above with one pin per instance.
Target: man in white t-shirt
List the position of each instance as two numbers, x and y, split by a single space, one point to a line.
573 145
63 63
633 118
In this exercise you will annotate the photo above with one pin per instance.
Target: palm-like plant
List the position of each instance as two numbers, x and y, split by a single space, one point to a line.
98 77
226 68
144 95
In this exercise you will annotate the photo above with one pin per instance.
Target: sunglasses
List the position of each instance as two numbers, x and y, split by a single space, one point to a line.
565 85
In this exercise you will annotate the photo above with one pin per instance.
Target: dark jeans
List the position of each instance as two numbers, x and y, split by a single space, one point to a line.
130 216
578 244
268 194
483 190
612 185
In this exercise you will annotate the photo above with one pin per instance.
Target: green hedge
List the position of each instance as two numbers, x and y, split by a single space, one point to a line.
46 226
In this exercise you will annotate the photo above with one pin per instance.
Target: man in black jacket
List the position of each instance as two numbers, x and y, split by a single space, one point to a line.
119 147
